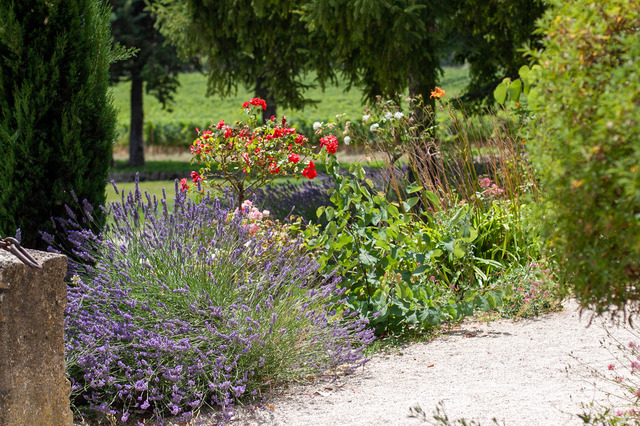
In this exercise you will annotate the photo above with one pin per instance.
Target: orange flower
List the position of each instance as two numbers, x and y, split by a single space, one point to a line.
438 93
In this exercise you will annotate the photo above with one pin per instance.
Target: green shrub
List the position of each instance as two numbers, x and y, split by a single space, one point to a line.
587 145
57 121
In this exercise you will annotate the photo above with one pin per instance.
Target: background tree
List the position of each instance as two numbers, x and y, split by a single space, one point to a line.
57 120
155 63
383 47
261 44
490 36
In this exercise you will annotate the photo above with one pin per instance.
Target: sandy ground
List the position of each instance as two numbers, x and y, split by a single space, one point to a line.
512 371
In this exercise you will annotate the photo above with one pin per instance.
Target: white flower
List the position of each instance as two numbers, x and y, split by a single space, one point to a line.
398 115
347 139
365 118
374 127
388 115
317 125
266 213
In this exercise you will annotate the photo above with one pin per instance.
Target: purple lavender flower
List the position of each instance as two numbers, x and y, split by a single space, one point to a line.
170 310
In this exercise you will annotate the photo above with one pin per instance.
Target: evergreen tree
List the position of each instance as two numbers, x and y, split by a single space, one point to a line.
57 120
261 44
155 63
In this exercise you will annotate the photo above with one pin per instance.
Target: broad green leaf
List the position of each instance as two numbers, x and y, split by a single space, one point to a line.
367 258
500 92
382 244
320 211
514 90
329 212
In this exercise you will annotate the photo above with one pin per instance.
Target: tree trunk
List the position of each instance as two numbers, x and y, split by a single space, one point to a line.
262 92
136 142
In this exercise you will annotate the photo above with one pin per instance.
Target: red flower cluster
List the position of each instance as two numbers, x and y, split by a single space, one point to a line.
255 101
195 176
331 142
294 158
310 171
183 185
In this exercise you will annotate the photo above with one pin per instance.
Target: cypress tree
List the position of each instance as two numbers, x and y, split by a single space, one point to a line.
57 119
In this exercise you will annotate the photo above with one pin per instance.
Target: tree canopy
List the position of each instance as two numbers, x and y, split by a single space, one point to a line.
382 47
261 44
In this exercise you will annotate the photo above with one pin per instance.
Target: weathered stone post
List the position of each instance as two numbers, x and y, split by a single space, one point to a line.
33 386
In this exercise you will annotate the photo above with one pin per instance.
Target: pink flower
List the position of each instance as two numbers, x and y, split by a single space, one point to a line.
253 228
183 185
611 366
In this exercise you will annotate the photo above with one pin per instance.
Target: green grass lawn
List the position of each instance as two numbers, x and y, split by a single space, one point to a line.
192 107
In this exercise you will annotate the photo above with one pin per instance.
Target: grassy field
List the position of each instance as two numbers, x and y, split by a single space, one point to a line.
192 108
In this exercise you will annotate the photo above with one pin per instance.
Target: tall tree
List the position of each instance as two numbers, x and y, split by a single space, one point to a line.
260 44
489 35
155 63
57 119
385 47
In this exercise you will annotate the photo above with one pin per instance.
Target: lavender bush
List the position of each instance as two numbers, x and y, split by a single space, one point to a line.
182 309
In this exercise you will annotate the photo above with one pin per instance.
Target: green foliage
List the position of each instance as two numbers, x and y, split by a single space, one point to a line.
383 47
489 36
587 146
260 45
155 62
57 121
401 271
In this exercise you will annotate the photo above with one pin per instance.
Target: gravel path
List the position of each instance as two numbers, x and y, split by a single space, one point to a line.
513 371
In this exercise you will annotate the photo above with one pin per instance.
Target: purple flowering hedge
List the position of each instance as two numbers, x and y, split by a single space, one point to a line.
172 310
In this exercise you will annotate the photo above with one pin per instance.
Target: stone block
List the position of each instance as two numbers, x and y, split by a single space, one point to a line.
34 389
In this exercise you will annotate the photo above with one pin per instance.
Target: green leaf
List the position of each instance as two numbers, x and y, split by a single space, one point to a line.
320 211
432 197
500 92
420 270
367 258
514 90
342 241
413 188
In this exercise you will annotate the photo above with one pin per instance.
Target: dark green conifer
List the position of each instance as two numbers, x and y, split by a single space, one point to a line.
57 119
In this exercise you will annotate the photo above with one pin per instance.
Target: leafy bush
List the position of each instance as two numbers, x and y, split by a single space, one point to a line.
185 309
401 271
414 255
587 146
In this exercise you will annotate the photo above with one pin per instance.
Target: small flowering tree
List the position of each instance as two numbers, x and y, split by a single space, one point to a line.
248 155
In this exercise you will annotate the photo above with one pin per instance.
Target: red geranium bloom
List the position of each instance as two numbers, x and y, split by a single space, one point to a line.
294 158
258 102
273 168
300 139
183 185
310 171
196 177
220 124
331 142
